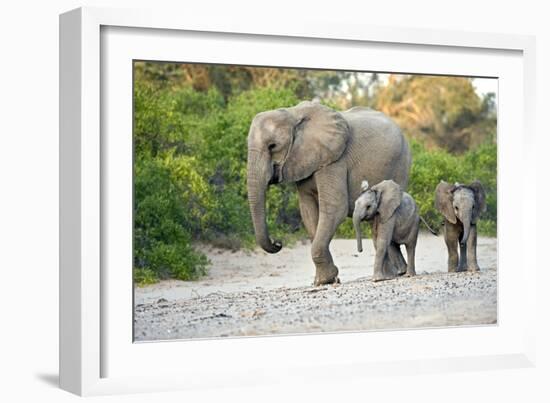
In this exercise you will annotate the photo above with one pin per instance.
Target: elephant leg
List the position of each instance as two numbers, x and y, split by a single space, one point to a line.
383 267
411 250
451 240
332 189
309 210
396 259
389 270
463 258
374 232
471 245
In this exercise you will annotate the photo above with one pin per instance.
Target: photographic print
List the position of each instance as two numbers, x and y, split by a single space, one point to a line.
276 201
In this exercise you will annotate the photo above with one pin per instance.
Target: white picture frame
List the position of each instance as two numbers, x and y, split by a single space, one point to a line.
93 349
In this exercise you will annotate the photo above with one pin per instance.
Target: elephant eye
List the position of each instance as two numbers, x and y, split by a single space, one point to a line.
271 146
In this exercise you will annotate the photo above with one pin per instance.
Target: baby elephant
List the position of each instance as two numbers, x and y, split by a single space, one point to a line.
395 219
461 205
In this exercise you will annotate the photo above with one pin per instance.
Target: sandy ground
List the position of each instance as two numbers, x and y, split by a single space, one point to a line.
252 293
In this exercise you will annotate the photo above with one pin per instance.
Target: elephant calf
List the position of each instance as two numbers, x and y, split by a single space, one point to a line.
395 221
461 205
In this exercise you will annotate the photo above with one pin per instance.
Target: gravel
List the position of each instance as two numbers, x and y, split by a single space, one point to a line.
431 299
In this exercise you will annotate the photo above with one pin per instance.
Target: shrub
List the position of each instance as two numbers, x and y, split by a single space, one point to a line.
171 203
168 118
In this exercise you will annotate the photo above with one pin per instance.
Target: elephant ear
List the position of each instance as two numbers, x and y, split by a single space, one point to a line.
320 138
479 195
444 200
389 196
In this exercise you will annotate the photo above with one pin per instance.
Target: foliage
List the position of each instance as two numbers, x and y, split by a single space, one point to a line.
143 276
171 202
228 80
172 118
191 123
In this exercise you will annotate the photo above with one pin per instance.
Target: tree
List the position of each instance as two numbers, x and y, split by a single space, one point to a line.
441 112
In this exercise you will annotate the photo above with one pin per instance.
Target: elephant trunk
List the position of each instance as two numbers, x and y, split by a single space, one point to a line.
357 225
466 230
259 173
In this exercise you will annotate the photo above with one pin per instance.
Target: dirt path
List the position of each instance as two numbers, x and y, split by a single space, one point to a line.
251 293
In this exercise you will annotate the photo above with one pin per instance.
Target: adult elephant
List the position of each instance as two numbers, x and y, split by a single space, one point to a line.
327 154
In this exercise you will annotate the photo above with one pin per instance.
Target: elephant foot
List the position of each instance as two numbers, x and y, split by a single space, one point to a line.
452 269
397 261
410 273
326 275
382 277
473 268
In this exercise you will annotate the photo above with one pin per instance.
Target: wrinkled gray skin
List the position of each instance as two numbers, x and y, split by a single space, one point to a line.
461 205
395 221
327 154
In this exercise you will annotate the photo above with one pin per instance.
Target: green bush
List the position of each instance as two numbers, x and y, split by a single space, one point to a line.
171 203
167 118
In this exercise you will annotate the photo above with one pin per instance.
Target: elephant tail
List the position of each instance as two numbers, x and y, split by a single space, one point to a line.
427 226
